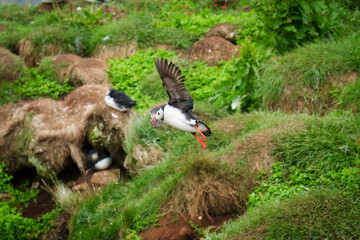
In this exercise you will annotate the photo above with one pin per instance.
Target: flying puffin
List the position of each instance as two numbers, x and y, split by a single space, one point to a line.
118 100
97 160
178 111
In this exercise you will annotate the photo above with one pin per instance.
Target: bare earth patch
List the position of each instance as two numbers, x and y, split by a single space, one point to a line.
212 50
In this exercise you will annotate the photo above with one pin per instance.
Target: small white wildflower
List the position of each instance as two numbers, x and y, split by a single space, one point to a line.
106 38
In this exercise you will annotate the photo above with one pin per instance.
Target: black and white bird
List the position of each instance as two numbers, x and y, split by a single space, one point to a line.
118 100
178 111
98 160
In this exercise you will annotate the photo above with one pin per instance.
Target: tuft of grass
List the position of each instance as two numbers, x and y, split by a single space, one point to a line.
209 188
327 144
309 66
318 214
19 14
350 96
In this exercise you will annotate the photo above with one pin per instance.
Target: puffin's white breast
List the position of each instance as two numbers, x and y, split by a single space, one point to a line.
111 103
103 164
177 119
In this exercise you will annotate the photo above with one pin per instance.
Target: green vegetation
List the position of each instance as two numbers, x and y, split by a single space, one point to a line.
318 214
287 176
291 23
309 66
34 85
12 224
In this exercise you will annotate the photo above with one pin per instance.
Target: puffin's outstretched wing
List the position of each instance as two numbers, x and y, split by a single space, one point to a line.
173 82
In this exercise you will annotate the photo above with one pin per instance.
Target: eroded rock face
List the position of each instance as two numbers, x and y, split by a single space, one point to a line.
80 71
28 53
212 50
11 66
49 134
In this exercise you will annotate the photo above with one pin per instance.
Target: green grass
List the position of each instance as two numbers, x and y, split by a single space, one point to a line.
310 66
138 201
318 214
120 208
350 96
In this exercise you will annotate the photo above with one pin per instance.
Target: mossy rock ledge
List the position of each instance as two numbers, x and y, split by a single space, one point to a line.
49 135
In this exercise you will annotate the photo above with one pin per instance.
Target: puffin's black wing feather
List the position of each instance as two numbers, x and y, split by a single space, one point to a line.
173 82
122 99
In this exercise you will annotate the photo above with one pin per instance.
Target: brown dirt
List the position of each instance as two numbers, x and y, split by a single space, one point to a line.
212 50
223 30
11 66
179 228
44 203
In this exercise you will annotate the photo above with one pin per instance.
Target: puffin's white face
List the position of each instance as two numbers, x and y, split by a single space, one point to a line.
157 114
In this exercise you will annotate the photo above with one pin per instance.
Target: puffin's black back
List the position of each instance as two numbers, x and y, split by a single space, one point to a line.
122 99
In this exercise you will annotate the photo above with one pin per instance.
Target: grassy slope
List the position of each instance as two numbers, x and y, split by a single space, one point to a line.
331 141
320 172
309 66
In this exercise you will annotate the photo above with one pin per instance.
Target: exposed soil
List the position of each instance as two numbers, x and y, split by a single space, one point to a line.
180 229
44 203
212 50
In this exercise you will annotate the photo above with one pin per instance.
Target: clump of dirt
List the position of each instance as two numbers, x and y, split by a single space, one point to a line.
31 56
11 66
183 227
106 52
223 30
79 71
310 100
212 50
49 134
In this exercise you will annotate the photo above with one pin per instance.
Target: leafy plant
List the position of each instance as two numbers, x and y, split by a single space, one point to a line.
289 23
39 85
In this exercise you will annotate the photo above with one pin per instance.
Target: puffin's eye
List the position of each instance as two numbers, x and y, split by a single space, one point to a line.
158 113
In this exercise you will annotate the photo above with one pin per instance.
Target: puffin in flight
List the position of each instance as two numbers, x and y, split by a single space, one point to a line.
118 100
178 111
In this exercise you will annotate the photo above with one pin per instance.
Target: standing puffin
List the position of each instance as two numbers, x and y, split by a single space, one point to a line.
118 100
178 111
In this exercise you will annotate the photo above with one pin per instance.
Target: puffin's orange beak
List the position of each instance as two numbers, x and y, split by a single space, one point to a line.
154 122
